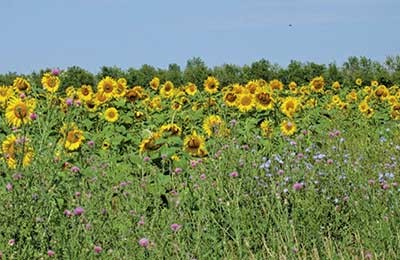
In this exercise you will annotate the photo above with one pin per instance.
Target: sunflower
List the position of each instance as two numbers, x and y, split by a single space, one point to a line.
149 144
73 136
176 105
245 102
336 85
105 145
289 106
359 82
191 89
381 92
133 94
336 99
171 130
266 128
238 89
85 93
91 105
317 84
70 92
167 90
111 114
101 98
108 86
21 85
288 128
50 82
363 106
276 84
5 94
194 144
252 86
211 85
155 83
230 98
14 147
121 88
395 111
212 124
18 111
374 83
293 86
352 96
155 103
263 100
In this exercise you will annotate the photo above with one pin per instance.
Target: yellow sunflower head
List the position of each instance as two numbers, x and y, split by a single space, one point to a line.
264 100
194 144
111 114
211 85
289 106
191 89
170 130
85 93
245 102
266 128
107 86
50 82
336 85
230 98
5 94
359 82
167 90
21 85
15 149
212 124
317 84
121 88
288 128
276 85
18 111
155 83
73 136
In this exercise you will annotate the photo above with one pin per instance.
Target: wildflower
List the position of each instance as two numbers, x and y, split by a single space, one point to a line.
144 242
75 169
50 253
91 143
175 227
33 116
234 174
11 242
178 170
55 72
203 177
79 211
297 186
97 249
9 187
146 159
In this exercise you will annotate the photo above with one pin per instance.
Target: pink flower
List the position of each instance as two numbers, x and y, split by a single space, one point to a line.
178 170
11 242
97 249
79 211
50 253
33 116
22 95
329 161
368 256
75 169
56 71
141 221
69 101
234 174
203 176
146 159
9 187
68 213
175 227
144 242
90 143
298 186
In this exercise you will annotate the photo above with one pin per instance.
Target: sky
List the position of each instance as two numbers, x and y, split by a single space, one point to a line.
125 33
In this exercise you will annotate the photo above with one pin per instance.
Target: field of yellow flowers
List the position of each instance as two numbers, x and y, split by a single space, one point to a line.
262 170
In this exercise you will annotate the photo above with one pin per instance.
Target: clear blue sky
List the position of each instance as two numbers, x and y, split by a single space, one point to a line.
126 33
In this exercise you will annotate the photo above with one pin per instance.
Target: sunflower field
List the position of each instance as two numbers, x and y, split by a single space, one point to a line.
209 169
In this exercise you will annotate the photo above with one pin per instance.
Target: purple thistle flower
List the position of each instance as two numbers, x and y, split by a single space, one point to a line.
79 211
144 242
234 174
175 227
50 253
33 116
298 186
75 169
98 249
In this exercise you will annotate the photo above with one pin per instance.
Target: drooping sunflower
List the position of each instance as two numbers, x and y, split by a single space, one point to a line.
171 130
50 82
73 137
14 147
155 103
212 124
167 90
111 114
395 111
230 98
381 92
264 100
5 94
85 92
245 102
317 84
276 85
155 83
149 144
21 85
191 89
121 88
101 98
90 105
336 85
194 144
288 128
134 94
176 105
266 128
108 86
290 105
18 111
